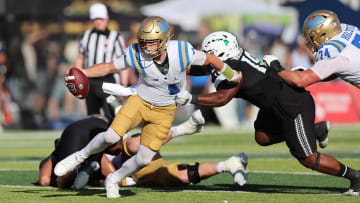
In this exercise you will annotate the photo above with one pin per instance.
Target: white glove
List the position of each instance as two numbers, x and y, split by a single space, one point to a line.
183 97
267 59
118 90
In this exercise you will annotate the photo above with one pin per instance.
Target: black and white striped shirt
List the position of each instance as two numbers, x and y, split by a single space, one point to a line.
100 47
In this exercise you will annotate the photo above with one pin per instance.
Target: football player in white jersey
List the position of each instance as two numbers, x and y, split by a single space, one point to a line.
336 47
162 64
337 53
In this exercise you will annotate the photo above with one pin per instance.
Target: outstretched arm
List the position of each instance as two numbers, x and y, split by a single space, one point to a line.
300 79
219 98
100 70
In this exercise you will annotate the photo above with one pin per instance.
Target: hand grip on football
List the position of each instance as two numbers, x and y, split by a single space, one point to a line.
77 83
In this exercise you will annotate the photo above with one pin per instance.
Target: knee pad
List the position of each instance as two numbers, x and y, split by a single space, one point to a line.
110 136
144 156
193 173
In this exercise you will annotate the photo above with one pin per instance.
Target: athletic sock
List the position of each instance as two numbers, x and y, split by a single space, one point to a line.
347 172
177 131
99 143
220 167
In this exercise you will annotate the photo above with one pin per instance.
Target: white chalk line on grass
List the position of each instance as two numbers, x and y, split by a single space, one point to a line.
267 172
148 189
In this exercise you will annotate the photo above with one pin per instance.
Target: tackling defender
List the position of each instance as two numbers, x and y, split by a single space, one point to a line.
162 65
286 113
336 47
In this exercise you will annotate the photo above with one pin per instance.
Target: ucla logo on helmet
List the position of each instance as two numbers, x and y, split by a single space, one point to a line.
312 23
164 26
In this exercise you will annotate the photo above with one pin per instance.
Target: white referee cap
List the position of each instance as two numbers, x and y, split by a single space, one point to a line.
98 11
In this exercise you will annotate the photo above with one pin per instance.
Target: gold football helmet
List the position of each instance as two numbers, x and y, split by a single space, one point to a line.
319 27
153 29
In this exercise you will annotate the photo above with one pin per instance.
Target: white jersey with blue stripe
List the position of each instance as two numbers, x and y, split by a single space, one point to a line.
153 86
347 42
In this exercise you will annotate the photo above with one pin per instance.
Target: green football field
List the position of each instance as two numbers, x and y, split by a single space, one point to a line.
274 176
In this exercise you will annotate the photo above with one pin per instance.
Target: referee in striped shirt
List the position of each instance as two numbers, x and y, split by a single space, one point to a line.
100 45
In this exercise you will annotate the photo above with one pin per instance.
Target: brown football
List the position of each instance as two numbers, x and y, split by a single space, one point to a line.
77 83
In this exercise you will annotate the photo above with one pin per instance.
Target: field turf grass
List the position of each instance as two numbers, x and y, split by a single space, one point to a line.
274 176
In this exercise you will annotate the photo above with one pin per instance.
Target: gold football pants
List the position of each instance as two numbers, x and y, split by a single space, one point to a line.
157 121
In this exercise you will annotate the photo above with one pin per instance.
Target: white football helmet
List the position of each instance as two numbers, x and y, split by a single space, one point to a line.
222 44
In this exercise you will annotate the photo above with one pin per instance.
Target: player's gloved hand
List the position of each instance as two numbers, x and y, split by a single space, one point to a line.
230 74
183 97
273 62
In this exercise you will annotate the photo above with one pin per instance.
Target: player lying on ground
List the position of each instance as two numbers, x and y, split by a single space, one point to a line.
157 173
286 113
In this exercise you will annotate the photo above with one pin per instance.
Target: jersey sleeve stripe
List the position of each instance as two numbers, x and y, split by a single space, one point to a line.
338 46
340 42
138 59
187 55
182 55
134 59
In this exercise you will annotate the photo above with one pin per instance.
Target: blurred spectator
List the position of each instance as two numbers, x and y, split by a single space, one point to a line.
301 55
5 100
100 45
281 50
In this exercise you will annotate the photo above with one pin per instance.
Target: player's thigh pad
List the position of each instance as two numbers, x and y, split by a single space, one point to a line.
129 116
158 123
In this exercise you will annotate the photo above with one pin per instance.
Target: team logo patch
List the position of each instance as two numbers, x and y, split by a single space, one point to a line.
312 23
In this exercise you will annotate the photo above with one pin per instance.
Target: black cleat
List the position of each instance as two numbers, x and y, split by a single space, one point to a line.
322 130
354 189
84 174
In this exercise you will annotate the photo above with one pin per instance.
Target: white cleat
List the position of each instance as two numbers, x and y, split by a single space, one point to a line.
68 164
195 123
351 192
84 174
112 189
197 118
237 165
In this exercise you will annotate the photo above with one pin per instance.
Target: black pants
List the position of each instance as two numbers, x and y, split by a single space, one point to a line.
298 133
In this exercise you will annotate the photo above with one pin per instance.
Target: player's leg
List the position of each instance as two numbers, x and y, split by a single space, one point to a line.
158 122
301 140
128 118
45 174
193 125
267 128
194 173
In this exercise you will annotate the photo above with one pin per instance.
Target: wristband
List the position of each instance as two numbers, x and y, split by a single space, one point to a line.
228 72
194 99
